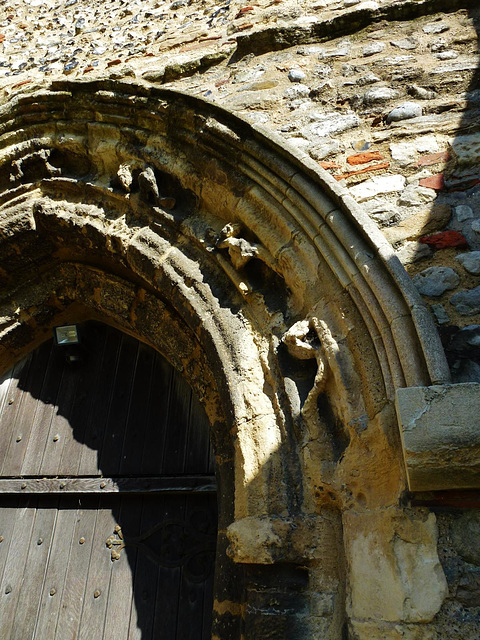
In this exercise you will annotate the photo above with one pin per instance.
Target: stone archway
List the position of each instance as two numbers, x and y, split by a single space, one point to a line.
262 281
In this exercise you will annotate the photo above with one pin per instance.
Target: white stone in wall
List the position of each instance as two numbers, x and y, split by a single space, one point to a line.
426 144
373 48
327 124
376 186
415 195
403 153
413 251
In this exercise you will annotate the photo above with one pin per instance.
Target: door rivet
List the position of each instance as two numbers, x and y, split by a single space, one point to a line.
8 589
81 541
62 485
23 485
2 538
40 541
53 592
56 437
96 594
103 485
18 438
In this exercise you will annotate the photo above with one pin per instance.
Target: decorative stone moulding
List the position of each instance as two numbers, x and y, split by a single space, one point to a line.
258 277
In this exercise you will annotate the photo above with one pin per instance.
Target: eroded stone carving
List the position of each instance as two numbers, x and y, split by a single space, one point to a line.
241 251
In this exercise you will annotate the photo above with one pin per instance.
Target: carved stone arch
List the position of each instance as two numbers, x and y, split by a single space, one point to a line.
253 272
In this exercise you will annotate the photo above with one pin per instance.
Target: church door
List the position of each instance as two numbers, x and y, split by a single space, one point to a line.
107 497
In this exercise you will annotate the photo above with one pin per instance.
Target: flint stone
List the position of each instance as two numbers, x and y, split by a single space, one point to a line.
440 433
436 27
405 111
434 281
378 95
466 342
406 43
466 149
372 49
369 5
446 55
455 67
467 303
470 262
421 93
466 536
369 78
376 186
327 124
441 316
296 75
468 591
297 91
464 212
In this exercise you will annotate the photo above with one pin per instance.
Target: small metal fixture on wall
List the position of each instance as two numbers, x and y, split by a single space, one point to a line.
68 337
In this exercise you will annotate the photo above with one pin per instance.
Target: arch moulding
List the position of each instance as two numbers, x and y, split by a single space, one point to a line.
255 274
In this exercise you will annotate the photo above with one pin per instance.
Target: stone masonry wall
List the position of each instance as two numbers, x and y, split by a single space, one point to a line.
384 95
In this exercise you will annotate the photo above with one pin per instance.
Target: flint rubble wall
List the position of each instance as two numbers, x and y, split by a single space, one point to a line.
384 95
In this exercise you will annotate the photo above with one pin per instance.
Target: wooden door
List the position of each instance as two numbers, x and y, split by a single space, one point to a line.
107 497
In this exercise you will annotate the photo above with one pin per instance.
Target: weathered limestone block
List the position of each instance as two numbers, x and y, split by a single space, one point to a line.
440 429
394 571
271 539
373 631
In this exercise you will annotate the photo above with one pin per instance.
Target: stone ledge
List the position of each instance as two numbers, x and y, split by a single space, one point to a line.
440 430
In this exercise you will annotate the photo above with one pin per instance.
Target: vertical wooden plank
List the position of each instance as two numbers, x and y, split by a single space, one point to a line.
15 565
193 590
21 402
89 387
121 594
73 594
146 577
8 512
54 582
168 586
92 625
157 419
9 382
111 451
59 430
176 437
34 573
38 423
134 439
103 394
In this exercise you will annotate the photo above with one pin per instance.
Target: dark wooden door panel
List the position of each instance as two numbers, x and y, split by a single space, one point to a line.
107 497
124 412
61 582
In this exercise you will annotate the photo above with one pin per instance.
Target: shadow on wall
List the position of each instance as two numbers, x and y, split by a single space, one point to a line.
124 413
457 248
